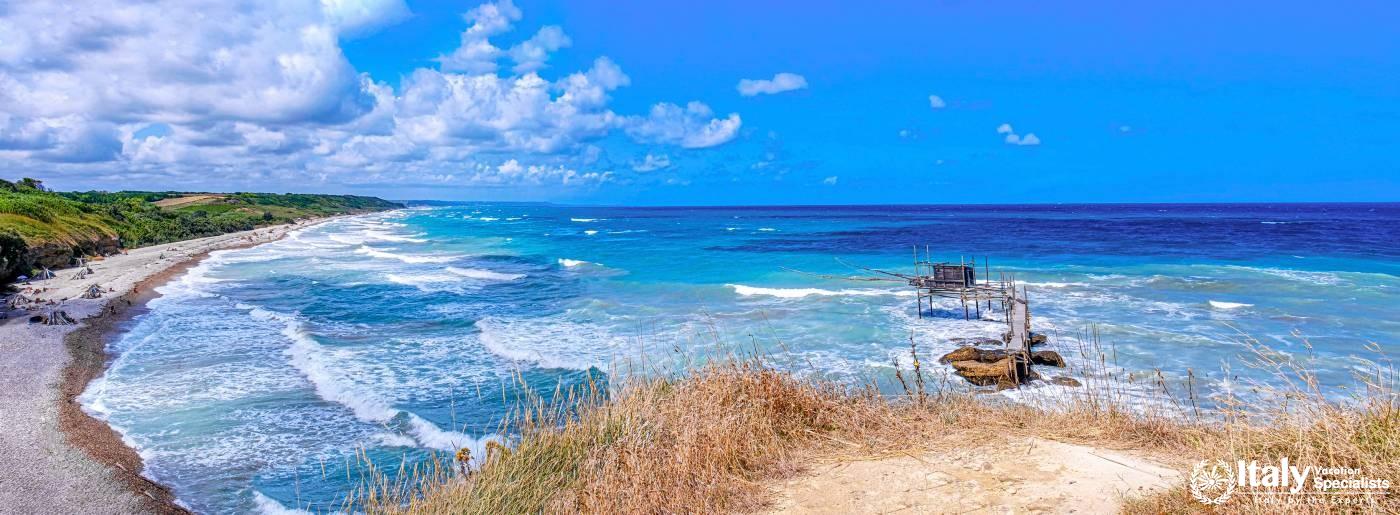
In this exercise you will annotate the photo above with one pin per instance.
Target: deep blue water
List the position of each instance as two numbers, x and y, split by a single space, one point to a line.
250 385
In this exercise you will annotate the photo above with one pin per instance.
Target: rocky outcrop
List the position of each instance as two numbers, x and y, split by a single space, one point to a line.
1004 373
973 354
1065 381
56 254
999 367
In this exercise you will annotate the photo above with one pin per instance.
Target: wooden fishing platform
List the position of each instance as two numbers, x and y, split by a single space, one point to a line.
959 280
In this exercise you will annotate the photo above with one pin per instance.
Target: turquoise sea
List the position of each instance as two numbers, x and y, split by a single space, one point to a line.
253 381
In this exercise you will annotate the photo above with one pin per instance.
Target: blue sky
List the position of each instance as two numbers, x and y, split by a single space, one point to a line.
641 102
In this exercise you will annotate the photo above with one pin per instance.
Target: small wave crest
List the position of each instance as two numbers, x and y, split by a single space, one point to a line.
406 258
486 275
1228 305
797 293
550 342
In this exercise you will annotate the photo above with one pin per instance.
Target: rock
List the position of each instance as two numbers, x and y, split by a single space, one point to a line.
1065 381
998 373
1047 357
971 353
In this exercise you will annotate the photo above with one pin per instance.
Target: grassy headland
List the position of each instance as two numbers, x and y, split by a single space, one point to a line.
716 440
45 228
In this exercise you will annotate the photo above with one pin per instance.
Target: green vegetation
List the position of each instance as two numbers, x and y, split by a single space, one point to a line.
41 227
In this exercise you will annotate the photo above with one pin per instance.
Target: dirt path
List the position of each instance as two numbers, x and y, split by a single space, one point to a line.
1028 476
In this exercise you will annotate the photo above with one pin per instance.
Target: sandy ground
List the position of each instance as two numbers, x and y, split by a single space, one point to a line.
1028 476
41 468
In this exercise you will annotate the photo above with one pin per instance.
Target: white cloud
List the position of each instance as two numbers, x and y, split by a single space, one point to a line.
359 17
778 84
652 162
692 127
531 54
830 181
1012 138
245 92
475 53
936 102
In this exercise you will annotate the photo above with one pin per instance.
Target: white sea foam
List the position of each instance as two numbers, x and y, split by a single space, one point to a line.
766 229
315 362
422 279
346 239
1053 284
573 262
1228 305
387 236
269 506
394 440
488 275
1318 278
590 232
552 342
583 220
797 293
406 258
488 219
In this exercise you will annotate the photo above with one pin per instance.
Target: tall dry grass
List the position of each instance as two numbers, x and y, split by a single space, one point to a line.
714 438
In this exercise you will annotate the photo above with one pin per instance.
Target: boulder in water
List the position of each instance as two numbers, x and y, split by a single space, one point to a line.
971 353
1065 381
1047 357
1004 373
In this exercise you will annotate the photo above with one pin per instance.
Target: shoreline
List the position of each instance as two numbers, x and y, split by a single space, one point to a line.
88 359
57 456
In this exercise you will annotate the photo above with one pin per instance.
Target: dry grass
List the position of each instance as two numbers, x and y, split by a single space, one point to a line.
713 440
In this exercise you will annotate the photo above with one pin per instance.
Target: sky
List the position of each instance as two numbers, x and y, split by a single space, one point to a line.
716 103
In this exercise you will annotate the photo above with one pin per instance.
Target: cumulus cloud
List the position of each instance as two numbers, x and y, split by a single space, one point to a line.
1011 138
252 91
779 83
691 127
936 102
531 54
475 53
652 162
360 17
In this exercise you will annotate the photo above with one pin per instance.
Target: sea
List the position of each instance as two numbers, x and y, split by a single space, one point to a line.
265 378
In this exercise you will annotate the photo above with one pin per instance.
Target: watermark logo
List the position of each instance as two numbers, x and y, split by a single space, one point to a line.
1215 482
1212 482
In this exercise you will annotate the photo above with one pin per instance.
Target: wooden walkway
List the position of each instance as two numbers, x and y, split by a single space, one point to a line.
1019 316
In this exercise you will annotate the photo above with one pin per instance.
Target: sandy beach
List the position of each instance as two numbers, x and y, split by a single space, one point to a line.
54 458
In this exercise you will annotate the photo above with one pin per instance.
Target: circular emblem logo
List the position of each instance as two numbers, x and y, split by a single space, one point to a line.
1212 482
